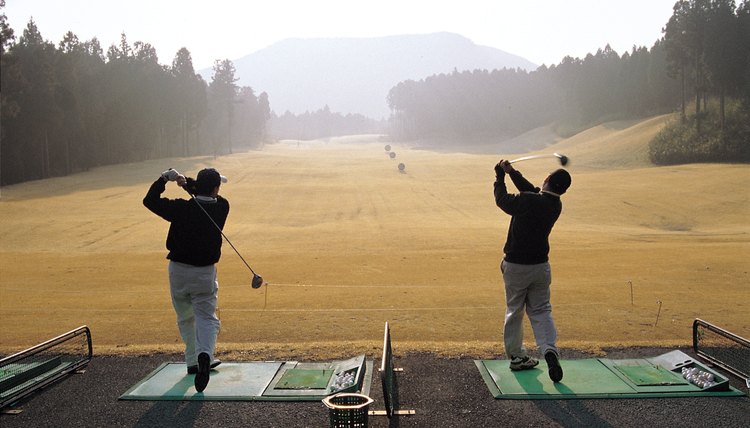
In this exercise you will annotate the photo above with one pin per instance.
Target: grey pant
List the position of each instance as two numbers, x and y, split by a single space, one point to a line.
527 287
195 291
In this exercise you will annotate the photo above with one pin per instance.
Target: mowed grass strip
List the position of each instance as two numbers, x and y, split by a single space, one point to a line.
347 242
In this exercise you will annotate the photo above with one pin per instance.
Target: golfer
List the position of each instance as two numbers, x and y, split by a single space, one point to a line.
194 245
525 267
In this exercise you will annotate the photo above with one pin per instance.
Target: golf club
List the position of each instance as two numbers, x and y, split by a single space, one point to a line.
257 279
563 159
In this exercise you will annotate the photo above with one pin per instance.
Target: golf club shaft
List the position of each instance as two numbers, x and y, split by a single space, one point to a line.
525 158
221 231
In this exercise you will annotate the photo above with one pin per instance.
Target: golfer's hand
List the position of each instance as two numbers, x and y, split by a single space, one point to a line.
506 166
499 171
170 175
181 180
502 168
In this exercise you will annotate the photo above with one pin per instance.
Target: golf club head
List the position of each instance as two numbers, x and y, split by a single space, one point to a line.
257 281
563 159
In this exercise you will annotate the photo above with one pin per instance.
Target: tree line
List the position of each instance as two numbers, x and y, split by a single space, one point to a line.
486 104
705 51
708 52
71 107
322 123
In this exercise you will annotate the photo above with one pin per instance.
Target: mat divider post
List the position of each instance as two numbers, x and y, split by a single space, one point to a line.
388 379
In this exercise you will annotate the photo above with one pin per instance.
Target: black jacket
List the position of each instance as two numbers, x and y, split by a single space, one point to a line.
192 238
533 215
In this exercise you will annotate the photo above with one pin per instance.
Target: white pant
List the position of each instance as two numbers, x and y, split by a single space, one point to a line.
195 291
528 287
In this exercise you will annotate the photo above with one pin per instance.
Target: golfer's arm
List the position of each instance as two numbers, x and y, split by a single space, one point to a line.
522 184
221 221
504 200
154 202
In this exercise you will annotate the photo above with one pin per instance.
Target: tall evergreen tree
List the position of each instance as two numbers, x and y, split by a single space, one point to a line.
677 46
6 33
190 98
38 114
264 106
724 66
743 49
223 90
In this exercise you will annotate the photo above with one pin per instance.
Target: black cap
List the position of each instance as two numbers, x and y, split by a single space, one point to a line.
559 181
208 179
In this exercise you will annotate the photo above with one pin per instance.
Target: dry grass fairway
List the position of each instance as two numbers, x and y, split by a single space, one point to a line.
347 242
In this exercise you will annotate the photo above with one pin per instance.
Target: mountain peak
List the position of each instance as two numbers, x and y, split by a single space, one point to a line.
354 75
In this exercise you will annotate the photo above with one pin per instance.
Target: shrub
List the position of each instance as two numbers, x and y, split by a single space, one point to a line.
679 143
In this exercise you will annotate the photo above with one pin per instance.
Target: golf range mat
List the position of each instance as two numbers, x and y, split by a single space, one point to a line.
257 381
661 376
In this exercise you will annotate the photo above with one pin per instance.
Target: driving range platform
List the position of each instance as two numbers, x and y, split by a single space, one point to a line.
256 381
656 377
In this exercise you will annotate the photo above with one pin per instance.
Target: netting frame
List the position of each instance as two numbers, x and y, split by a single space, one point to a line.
699 323
37 349
388 375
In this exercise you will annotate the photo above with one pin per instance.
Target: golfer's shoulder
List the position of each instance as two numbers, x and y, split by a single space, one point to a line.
530 195
537 199
178 203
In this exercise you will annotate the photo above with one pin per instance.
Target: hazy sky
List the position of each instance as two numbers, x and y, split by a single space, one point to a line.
542 31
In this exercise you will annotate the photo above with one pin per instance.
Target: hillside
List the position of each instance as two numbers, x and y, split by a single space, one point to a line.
354 75
347 242
618 144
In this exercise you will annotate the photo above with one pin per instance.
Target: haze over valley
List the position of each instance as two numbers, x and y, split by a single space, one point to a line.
354 75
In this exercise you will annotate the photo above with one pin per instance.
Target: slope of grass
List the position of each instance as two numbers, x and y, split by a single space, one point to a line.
620 144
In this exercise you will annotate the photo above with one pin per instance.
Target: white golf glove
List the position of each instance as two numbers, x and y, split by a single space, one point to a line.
170 175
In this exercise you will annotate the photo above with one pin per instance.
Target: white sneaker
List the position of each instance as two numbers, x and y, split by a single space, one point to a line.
523 363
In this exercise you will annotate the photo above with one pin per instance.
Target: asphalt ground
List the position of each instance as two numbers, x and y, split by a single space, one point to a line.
444 392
